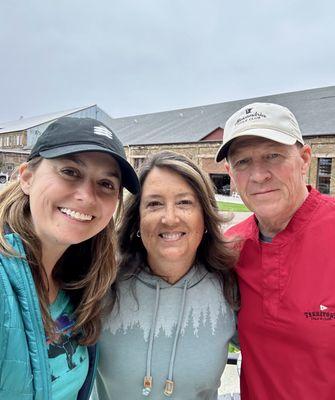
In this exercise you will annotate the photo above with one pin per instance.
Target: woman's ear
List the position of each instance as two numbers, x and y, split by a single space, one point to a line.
25 178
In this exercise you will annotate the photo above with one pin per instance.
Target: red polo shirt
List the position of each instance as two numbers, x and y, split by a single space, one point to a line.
287 319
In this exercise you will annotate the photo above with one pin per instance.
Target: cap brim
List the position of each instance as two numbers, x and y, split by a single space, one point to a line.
276 136
129 177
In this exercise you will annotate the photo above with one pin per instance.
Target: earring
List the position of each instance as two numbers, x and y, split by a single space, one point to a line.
205 231
138 234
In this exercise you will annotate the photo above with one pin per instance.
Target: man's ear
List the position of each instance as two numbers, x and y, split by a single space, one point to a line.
306 155
230 173
25 178
226 167
228 170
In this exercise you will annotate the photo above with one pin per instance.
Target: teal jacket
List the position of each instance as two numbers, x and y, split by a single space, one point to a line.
24 364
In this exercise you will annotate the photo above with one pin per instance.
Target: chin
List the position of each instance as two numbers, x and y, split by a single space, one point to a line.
69 241
172 257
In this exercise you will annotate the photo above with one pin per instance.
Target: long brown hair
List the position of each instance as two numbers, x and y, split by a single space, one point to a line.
85 271
213 251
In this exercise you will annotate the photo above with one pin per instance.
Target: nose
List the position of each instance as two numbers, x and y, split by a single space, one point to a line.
259 172
86 191
170 215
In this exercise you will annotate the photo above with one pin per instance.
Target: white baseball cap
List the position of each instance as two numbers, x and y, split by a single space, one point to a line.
267 120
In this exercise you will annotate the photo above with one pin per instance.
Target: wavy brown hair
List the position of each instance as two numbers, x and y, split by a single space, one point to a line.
213 251
85 271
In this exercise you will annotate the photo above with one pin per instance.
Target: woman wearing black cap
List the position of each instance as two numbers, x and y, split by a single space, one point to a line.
57 259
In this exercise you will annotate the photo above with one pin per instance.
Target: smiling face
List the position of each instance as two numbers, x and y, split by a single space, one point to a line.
71 199
171 221
269 177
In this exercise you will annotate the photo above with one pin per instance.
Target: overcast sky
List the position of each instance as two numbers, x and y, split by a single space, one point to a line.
141 56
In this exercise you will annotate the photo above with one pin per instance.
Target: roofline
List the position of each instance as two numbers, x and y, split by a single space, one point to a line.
38 116
307 135
172 143
224 102
16 151
73 112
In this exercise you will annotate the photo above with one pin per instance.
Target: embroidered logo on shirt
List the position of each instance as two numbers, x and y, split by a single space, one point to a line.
322 315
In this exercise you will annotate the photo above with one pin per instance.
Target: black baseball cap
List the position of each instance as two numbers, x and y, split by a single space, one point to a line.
69 135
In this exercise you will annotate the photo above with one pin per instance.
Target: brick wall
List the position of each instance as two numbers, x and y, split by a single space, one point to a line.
203 153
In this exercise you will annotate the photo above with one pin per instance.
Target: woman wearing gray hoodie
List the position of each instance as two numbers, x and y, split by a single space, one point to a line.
173 316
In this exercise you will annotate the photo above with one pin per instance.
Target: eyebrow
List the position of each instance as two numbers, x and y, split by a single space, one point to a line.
238 150
77 160
74 158
155 195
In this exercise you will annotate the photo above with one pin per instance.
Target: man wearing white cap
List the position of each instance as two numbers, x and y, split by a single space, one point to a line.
287 261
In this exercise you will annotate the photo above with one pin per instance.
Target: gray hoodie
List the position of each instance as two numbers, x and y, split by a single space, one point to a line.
176 333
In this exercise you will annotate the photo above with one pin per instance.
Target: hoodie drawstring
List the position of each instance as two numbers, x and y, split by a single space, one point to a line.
169 384
147 383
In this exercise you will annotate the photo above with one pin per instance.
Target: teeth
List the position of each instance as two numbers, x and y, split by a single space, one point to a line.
171 235
76 215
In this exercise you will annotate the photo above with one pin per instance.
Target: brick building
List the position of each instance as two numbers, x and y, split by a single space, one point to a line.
195 132
18 137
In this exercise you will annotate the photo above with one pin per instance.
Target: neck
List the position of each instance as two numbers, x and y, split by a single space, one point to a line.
270 230
270 227
50 256
172 272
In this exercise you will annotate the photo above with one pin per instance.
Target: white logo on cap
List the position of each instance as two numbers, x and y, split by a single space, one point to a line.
322 307
101 130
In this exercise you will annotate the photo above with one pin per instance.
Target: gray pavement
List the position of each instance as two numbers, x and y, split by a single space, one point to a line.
234 218
230 383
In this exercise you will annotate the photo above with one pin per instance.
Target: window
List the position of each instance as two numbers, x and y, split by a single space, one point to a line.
324 175
9 167
138 162
221 183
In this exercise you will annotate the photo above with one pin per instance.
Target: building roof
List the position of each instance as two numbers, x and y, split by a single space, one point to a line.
314 109
27 123
15 151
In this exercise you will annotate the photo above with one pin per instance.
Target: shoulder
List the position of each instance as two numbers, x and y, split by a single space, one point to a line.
3 307
7 302
14 240
243 228
15 247
327 202
12 265
236 234
325 206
